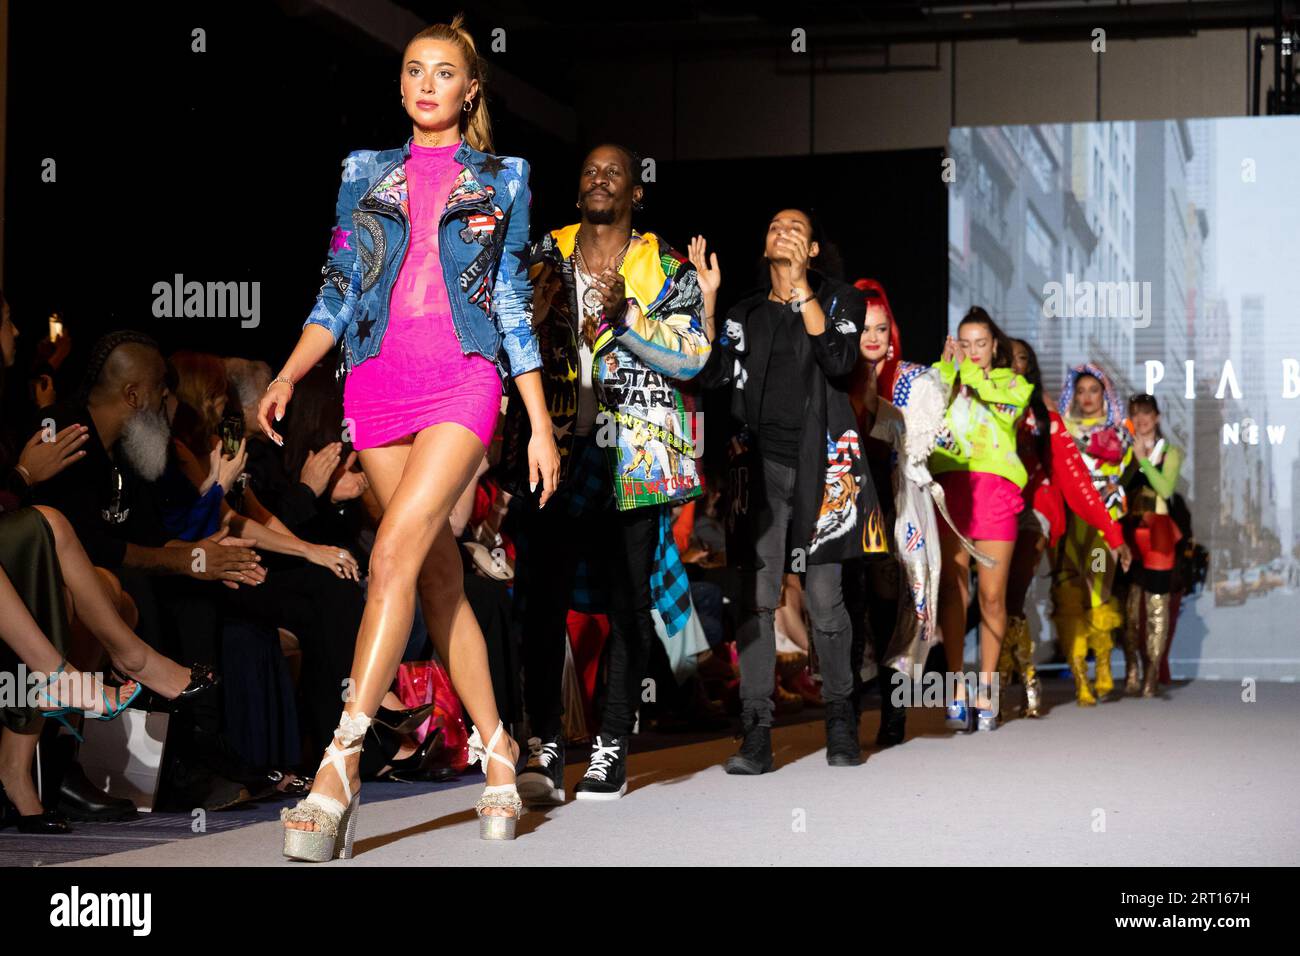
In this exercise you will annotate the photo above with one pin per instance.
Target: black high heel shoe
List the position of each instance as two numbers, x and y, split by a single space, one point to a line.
403 721
424 766
46 822
203 678
419 767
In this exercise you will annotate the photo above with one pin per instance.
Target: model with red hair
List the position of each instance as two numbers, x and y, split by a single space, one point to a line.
900 406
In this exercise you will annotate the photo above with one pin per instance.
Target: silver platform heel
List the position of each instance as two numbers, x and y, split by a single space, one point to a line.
504 797
336 823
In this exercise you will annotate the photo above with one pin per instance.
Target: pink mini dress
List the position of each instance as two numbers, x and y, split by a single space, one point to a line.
420 376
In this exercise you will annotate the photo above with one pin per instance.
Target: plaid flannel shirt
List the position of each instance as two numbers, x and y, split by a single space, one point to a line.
670 589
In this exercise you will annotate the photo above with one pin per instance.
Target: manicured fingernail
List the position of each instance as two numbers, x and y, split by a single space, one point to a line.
532 486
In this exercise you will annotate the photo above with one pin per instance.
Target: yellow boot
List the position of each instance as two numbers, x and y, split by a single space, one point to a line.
1079 668
1100 641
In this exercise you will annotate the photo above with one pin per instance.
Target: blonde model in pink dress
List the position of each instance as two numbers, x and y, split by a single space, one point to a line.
420 376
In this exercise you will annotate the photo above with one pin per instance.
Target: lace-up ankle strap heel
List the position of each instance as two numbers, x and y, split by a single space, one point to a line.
493 826
336 823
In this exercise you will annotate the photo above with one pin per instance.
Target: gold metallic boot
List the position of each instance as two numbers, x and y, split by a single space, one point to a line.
1079 668
1100 641
1022 649
1132 654
1157 638
1006 667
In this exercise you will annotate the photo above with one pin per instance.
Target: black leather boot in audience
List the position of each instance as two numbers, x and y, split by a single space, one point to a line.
47 821
81 800
67 786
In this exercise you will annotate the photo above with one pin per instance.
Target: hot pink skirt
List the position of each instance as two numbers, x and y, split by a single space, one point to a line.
984 506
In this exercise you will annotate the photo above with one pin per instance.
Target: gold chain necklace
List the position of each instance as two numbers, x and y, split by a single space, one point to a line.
593 301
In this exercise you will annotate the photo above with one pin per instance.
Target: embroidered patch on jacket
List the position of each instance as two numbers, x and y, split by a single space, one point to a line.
339 239
491 165
479 226
468 190
839 508
337 278
354 165
392 188
372 258
733 334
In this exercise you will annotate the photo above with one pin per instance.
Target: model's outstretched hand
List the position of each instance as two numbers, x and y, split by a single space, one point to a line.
274 403
543 464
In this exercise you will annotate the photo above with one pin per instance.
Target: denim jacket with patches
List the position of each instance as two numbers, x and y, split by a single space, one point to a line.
482 237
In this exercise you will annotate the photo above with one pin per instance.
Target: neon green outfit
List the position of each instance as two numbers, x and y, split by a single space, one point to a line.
979 431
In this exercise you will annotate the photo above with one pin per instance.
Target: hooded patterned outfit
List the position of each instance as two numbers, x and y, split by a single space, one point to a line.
1085 608
1060 484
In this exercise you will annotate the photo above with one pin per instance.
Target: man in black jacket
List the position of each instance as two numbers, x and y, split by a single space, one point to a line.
800 490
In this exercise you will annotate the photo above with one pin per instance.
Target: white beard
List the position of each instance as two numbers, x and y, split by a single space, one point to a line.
145 441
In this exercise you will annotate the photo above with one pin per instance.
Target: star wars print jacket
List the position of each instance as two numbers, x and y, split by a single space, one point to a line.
835 513
482 239
645 423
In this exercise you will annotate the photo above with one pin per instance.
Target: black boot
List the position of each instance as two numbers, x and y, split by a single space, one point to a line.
81 800
755 754
893 719
842 747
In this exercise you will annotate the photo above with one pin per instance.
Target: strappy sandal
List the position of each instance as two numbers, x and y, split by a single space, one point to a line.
336 822
504 797
111 710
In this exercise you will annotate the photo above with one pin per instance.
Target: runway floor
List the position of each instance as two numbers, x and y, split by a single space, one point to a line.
1202 778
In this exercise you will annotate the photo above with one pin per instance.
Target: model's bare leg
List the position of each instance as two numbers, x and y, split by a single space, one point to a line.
460 645
95 604
16 754
992 584
954 594
23 634
417 485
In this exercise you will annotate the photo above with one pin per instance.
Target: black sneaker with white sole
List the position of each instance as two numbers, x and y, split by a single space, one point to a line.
542 781
606 776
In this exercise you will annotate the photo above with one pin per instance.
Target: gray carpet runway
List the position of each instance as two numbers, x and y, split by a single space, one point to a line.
1202 778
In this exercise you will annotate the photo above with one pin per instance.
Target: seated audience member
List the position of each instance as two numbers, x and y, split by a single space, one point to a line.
311 589
109 498
313 484
47 570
